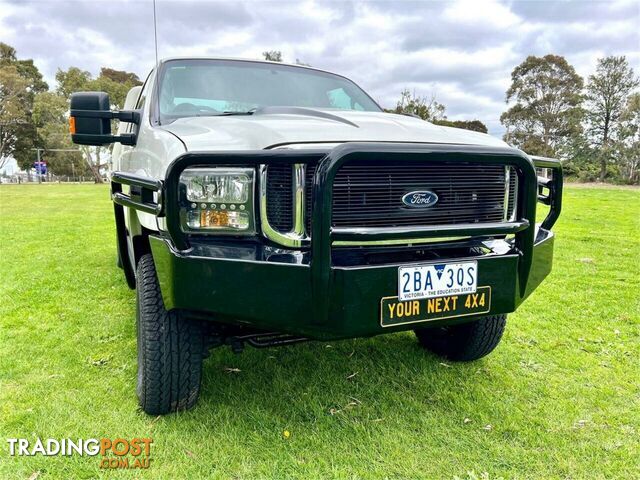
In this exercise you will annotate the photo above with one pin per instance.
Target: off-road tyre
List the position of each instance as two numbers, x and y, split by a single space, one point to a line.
170 349
464 342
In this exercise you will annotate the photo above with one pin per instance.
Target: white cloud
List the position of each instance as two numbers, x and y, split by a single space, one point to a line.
463 51
489 13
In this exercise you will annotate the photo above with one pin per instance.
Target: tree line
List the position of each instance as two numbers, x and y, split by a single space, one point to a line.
33 116
593 126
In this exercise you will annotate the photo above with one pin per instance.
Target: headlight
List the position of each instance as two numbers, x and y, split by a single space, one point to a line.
217 199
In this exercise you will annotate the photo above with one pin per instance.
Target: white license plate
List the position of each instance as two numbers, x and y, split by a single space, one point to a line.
437 280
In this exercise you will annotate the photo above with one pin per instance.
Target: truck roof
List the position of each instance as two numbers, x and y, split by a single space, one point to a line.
250 60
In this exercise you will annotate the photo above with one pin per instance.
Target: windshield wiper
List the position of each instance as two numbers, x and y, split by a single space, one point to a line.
219 114
249 112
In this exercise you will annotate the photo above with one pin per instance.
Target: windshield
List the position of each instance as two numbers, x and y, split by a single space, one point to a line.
190 88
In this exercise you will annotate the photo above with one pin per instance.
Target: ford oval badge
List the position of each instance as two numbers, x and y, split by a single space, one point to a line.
420 199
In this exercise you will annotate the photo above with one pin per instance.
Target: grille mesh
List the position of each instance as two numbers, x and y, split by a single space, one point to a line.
370 195
280 197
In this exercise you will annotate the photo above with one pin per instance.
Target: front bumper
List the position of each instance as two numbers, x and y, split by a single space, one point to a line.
277 295
307 292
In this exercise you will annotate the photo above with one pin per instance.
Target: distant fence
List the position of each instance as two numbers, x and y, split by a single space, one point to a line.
48 178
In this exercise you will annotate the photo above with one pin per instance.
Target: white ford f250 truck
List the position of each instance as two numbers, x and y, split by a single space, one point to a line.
266 204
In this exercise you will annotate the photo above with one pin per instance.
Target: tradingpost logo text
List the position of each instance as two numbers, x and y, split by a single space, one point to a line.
114 453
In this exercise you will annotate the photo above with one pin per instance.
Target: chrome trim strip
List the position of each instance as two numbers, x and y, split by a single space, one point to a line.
513 215
507 181
293 239
416 241
299 211
430 231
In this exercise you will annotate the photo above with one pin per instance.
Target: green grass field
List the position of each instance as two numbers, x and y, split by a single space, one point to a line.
559 398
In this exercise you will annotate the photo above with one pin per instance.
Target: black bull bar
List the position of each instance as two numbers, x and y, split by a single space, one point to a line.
161 198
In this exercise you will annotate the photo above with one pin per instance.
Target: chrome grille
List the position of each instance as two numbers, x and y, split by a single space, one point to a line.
371 195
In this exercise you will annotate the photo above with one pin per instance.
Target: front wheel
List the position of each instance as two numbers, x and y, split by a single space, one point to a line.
170 349
466 341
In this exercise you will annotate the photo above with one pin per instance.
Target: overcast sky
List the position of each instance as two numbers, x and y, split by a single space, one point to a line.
460 51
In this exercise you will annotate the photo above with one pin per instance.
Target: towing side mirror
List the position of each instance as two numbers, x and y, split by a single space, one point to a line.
90 120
